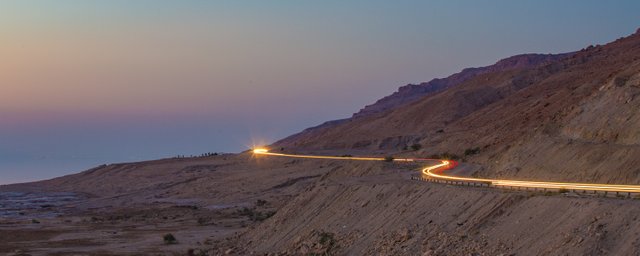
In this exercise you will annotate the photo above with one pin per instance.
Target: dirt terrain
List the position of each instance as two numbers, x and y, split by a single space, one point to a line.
128 208
302 207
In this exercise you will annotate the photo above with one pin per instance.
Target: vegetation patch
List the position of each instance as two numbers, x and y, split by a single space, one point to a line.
445 156
326 244
472 151
327 239
169 239
261 202
256 215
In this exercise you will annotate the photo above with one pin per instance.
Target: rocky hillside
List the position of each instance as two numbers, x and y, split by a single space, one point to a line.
580 115
413 92
371 210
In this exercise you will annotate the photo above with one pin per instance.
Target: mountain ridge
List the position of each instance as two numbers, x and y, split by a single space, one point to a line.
411 93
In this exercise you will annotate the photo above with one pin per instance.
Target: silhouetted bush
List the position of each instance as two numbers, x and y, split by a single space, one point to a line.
471 151
260 216
563 190
256 215
169 239
416 147
261 202
449 156
326 238
445 156
388 158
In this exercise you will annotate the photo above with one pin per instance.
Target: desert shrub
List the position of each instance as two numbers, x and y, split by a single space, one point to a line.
260 216
327 239
388 158
416 147
261 202
256 215
449 156
346 155
169 239
563 190
245 211
471 151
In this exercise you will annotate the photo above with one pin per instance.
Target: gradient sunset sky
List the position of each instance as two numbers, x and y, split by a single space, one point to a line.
91 82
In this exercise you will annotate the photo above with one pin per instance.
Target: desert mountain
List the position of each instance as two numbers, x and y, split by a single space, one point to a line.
575 111
413 92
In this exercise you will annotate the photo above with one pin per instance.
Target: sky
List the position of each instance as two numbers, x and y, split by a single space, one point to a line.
84 83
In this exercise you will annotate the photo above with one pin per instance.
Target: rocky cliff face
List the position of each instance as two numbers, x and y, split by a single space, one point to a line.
412 92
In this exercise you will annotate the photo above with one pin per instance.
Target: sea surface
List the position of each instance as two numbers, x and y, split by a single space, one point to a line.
27 169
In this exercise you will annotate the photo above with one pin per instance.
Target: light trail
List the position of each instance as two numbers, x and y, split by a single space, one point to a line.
435 172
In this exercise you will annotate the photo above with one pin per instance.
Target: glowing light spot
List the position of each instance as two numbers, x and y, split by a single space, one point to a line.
260 150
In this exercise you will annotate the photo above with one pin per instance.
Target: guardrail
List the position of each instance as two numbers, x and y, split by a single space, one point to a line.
528 189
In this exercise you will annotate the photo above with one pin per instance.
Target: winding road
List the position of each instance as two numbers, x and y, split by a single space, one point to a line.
436 171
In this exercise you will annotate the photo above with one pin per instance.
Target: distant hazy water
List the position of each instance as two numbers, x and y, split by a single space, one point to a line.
24 169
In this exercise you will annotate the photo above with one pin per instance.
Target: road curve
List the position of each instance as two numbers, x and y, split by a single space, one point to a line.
435 171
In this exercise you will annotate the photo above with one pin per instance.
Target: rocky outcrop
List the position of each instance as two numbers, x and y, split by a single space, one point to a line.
412 92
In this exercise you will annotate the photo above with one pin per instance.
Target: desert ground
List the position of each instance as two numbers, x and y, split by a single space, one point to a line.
239 204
